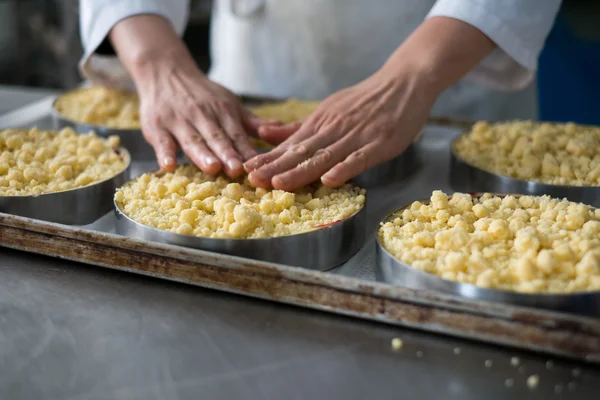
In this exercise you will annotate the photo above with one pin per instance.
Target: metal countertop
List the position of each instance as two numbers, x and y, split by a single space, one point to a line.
72 331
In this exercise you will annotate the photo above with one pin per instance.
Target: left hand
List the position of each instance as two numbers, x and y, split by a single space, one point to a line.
350 132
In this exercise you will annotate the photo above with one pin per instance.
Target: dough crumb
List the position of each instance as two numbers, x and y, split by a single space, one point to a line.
397 344
533 381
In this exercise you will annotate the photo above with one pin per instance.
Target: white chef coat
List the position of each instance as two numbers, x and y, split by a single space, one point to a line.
311 48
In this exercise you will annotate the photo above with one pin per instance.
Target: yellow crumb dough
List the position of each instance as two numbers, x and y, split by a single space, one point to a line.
101 106
34 162
191 202
525 244
291 110
558 154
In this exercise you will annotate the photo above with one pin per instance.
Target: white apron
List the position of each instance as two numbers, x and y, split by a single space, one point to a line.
312 48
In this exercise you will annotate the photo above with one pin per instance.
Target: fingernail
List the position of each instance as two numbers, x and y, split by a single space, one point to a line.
277 181
210 160
234 164
326 178
248 166
168 160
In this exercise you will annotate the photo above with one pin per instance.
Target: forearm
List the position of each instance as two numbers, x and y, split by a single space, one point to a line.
439 52
147 43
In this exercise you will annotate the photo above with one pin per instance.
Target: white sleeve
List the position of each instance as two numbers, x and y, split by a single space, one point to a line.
98 17
519 29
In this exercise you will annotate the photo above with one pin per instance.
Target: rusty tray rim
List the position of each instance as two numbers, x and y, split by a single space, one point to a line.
538 330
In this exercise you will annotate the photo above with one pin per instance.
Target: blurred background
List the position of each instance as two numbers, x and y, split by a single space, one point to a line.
40 46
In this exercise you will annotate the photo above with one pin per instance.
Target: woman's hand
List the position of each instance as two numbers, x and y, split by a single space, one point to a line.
350 132
179 105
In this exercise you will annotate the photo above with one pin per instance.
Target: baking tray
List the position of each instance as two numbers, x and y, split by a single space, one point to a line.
350 289
391 270
465 177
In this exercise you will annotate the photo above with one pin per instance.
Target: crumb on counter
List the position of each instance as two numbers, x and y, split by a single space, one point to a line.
515 361
190 202
397 344
533 381
558 154
509 382
34 162
528 244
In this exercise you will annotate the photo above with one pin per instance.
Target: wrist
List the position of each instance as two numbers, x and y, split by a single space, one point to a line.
438 53
413 74
153 61
148 46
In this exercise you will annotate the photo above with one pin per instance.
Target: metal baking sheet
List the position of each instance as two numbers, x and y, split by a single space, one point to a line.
350 289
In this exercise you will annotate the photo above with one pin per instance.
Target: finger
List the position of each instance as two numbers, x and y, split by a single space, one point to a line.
260 145
310 170
355 164
253 123
164 146
220 145
266 158
261 160
194 146
235 130
278 134
295 155
258 161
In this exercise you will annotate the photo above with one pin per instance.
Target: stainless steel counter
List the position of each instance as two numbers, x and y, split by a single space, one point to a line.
13 97
72 331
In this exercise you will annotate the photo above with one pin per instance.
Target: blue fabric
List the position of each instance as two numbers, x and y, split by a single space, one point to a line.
569 77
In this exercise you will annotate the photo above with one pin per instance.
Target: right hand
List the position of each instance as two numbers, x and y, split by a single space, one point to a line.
179 105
